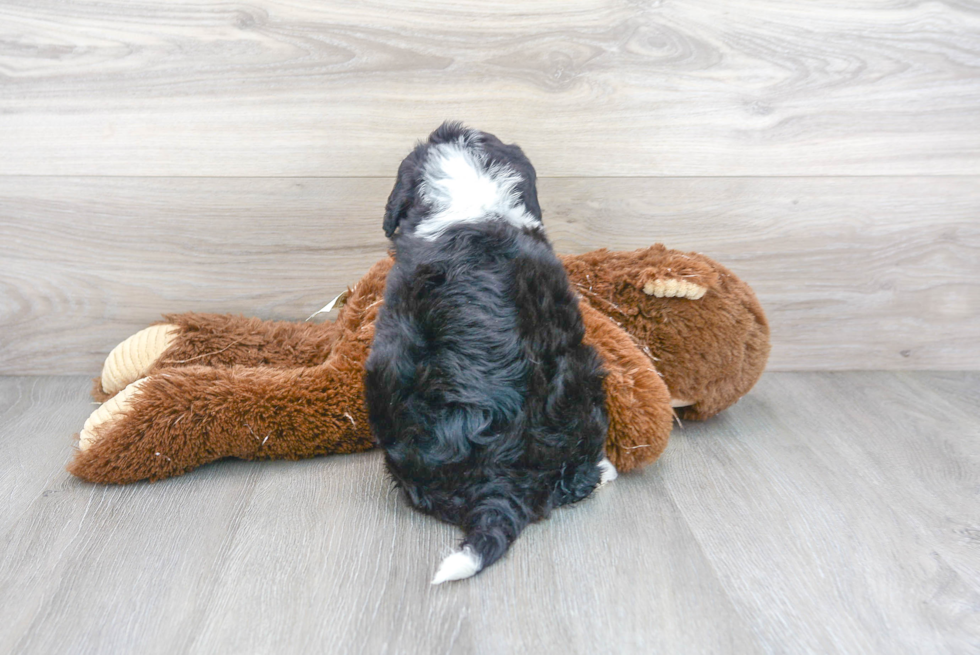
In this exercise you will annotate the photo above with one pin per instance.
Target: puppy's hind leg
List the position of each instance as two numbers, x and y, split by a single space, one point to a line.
576 483
608 472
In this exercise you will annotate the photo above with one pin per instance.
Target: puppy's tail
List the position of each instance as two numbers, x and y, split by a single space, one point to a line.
491 527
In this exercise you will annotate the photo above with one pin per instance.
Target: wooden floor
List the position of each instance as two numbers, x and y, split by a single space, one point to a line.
826 512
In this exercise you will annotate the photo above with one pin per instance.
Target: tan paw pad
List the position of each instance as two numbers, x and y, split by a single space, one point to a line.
133 358
107 411
674 288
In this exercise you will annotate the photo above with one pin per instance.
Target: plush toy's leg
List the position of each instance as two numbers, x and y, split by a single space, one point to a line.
193 339
185 414
637 400
179 419
213 340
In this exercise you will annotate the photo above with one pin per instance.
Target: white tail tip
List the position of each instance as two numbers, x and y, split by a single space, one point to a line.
459 565
609 472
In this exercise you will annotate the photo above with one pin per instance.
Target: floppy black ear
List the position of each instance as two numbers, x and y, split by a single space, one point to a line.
528 188
398 203
403 195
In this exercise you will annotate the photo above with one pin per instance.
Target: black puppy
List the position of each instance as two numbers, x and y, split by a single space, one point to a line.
489 407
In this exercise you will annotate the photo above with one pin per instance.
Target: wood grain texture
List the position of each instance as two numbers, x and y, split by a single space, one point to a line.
28 407
853 272
588 87
957 389
826 512
870 499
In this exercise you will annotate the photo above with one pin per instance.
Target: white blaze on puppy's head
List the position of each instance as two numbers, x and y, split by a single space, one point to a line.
463 187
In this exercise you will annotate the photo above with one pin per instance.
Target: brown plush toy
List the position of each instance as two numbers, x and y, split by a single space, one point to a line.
676 331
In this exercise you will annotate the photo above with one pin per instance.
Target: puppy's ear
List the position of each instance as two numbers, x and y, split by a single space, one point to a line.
528 188
511 155
404 195
529 191
398 203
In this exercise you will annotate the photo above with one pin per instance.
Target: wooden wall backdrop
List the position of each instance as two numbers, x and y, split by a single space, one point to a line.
186 155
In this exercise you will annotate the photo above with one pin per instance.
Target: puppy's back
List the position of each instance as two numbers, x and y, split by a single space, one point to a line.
489 407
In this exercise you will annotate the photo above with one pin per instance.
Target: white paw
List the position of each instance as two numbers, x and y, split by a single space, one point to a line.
461 564
133 358
107 411
609 472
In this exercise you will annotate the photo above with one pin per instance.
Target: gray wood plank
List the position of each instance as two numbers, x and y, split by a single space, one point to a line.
962 390
826 512
938 480
588 87
835 509
854 273
107 569
87 552
38 416
655 602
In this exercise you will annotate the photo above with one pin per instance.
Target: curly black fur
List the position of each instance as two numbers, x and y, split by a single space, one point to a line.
489 407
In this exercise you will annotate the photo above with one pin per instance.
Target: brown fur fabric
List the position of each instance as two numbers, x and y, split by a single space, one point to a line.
231 386
200 405
229 340
637 400
710 351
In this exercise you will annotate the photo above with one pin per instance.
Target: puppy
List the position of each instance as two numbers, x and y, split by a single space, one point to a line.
489 407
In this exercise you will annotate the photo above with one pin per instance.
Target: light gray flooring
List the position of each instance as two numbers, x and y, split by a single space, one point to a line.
826 512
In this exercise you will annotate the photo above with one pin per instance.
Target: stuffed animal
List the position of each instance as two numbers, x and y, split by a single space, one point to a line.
678 333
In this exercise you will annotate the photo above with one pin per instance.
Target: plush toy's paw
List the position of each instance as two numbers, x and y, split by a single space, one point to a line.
107 412
674 288
133 358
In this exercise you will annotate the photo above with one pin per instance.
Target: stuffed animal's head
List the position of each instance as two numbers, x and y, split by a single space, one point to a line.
461 175
701 326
